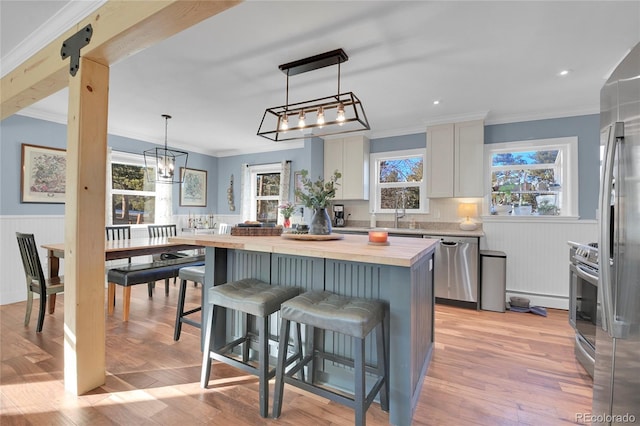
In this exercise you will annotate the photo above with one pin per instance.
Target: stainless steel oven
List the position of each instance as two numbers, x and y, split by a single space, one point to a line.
584 311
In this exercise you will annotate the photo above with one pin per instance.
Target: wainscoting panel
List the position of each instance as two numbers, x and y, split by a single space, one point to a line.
538 256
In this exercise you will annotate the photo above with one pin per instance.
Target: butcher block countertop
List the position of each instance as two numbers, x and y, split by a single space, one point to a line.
400 251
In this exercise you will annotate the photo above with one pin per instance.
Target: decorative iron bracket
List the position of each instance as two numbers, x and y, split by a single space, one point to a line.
71 47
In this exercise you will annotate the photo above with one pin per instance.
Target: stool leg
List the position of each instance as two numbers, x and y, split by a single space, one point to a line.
282 356
382 366
180 310
299 349
359 384
166 286
263 361
150 289
126 302
206 357
245 345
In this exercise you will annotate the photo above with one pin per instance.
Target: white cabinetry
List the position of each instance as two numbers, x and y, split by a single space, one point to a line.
350 156
454 159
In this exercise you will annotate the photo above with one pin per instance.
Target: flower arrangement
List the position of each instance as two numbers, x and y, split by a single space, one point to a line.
318 194
287 209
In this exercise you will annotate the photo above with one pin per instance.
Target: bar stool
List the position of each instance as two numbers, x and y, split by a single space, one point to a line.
353 317
190 273
251 297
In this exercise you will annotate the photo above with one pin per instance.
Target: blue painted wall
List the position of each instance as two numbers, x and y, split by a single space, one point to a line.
310 157
16 130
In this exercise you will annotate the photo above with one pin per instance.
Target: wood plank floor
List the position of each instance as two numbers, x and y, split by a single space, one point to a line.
488 369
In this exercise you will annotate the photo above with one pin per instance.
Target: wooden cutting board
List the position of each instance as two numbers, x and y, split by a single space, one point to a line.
311 237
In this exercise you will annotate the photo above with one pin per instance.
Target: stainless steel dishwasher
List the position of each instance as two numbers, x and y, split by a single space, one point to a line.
456 270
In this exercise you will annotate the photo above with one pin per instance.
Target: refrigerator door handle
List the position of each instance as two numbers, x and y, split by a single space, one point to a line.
605 287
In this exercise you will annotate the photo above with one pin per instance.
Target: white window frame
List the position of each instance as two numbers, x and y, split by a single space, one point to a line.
376 187
254 171
119 157
569 171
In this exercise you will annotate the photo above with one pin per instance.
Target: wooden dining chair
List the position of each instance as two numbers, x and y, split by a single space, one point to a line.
36 282
156 231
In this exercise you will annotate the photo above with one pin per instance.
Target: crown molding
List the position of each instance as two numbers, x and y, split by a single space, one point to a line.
70 14
518 118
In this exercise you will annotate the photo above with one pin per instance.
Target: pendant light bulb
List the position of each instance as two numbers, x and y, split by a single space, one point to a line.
340 118
301 120
320 120
284 123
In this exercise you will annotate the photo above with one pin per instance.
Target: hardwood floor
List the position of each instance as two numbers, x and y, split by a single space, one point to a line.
488 369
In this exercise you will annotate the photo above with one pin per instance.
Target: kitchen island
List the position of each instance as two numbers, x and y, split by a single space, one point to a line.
401 274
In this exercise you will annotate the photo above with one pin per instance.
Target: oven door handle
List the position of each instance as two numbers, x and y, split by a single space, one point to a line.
586 275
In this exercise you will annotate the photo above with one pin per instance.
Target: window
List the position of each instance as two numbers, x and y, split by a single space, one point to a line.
265 188
398 179
536 178
133 197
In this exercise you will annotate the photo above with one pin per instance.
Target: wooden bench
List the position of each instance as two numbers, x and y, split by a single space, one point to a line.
142 273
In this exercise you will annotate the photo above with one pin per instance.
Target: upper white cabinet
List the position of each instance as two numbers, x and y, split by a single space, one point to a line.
350 156
454 159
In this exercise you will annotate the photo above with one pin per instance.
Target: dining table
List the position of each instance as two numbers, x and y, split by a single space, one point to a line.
115 249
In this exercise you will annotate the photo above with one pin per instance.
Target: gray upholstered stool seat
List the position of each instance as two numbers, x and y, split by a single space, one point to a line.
346 315
190 273
251 297
355 317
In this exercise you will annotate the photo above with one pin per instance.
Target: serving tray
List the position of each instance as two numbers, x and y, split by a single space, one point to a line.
311 237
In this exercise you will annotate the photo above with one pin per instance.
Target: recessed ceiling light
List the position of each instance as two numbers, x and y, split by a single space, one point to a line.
436 102
564 72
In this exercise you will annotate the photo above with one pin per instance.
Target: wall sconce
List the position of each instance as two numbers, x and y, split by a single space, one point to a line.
468 210
166 161
340 113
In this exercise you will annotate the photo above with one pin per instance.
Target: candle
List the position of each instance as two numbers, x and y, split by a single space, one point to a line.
378 236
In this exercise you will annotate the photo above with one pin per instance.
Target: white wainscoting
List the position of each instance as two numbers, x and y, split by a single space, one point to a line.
537 255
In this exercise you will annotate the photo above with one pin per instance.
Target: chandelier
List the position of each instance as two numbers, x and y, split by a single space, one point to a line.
164 161
336 114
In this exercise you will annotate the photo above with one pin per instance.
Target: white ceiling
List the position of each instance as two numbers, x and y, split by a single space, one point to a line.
493 59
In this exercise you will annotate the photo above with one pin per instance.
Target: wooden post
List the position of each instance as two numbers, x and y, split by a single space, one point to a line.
84 304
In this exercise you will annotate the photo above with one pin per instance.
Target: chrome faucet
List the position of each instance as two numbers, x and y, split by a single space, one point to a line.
400 196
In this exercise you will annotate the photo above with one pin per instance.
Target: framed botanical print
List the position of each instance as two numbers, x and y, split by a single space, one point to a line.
43 174
193 190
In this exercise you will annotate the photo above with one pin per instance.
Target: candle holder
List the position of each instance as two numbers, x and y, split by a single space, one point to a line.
378 238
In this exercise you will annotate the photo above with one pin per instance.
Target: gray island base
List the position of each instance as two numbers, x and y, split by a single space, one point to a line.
401 274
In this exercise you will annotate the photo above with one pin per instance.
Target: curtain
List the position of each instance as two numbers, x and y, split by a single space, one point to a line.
245 190
285 182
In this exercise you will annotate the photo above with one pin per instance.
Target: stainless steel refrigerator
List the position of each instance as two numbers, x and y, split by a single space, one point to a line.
616 386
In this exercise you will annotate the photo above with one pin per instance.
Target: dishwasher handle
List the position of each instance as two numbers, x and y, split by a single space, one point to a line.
448 244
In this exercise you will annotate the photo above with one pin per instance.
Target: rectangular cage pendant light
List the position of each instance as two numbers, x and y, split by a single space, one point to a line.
331 115
163 165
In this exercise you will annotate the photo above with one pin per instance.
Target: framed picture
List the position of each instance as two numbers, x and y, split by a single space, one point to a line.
297 184
193 190
43 175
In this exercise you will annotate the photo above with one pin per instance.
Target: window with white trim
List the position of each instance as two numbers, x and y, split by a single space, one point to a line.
533 178
133 197
398 181
265 190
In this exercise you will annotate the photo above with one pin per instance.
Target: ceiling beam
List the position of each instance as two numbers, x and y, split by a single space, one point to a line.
120 29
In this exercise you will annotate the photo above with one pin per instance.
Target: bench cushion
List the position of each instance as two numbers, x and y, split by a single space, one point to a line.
251 296
139 273
347 315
